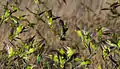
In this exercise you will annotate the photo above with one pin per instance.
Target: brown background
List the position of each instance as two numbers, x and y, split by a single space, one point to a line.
86 13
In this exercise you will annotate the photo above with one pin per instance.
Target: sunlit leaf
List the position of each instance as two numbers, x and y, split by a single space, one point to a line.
15 21
50 56
62 61
11 37
55 58
100 32
73 57
15 8
77 59
29 67
48 14
19 29
93 46
88 37
105 52
26 58
6 19
7 13
26 46
85 62
2 17
70 51
50 21
99 66
110 43
31 50
62 51
118 43
11 52
80 34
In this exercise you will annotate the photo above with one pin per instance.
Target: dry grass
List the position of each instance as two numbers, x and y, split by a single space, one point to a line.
84 13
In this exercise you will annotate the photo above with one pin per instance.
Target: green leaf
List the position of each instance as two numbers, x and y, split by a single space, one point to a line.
38 59
7 13
110 43
70 51
25 57
85 62
31 50
55 58
26 46
100 32
62 51
105 52
10 52
118 43
50 22
77 59
15 8
99 67
80 34
19 29
88 38
62 62
29 67
2 17
50 56
15 20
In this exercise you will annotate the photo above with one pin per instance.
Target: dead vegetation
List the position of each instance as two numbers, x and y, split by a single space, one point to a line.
88 28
